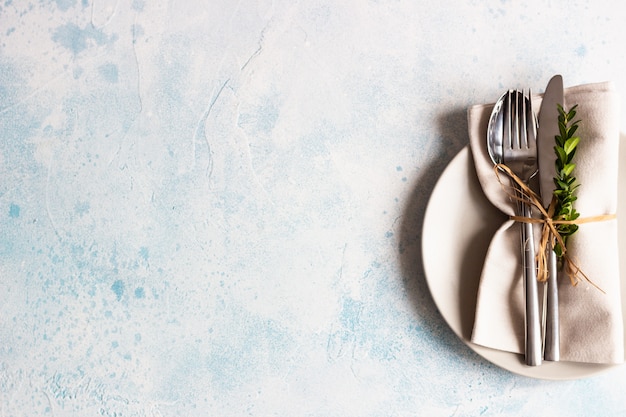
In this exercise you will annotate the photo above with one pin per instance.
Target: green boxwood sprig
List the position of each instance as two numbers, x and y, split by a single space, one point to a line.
564 181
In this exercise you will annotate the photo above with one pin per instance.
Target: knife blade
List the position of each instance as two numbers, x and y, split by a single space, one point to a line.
548 129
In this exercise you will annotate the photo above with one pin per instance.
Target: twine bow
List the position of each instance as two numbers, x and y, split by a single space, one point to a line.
550 235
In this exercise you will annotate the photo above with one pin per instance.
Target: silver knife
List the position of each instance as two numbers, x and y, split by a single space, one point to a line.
548 129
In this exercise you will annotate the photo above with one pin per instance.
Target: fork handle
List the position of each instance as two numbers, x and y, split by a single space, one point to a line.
533 348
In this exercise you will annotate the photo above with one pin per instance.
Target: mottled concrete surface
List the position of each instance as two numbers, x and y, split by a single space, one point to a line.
213 208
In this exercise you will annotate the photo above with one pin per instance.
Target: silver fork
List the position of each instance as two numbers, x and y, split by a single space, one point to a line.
520 155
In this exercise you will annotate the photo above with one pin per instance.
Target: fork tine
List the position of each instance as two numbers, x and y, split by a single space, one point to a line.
532 141
524 122
512 115
516 120
522 119
507 121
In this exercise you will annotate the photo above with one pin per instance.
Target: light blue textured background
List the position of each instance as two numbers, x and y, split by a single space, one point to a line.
213 208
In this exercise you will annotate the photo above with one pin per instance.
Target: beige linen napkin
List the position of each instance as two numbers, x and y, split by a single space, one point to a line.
591 321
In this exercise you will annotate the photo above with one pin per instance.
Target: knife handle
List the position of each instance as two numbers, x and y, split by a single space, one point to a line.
552 347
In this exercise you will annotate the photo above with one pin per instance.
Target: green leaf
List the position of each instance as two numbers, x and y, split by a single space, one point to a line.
568 169
562 184
561 153
570 144
558 250
572 129
570 156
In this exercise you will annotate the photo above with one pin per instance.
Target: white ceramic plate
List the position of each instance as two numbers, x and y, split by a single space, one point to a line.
458 225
